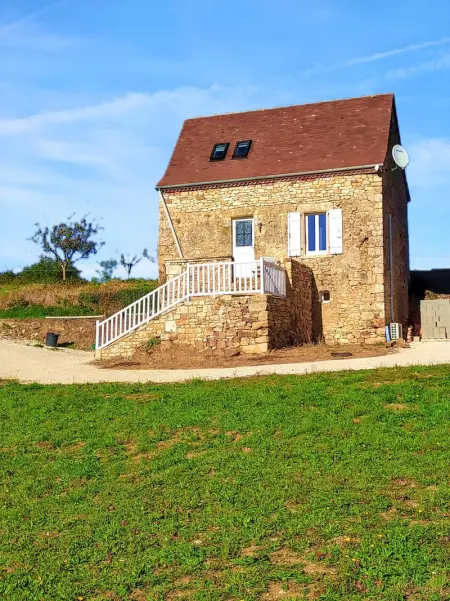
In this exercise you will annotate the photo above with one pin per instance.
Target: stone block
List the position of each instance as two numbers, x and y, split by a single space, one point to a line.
170 325
255 349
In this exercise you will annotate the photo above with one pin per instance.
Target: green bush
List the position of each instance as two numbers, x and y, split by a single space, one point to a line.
151 343
46 271
130 295
90 300
7 277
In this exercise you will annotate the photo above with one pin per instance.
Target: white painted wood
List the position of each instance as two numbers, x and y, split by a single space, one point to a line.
198 280
335 231
294 235
243 254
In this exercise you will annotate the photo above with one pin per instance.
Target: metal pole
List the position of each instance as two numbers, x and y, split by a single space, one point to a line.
169 219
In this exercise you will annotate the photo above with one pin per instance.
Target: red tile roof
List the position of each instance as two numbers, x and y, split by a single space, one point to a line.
297 139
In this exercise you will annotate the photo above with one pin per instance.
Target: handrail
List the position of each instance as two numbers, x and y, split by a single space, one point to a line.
141 311
199 279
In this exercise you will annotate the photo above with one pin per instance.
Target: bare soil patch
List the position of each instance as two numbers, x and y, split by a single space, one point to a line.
286 557
398 407
290 590
188 358
251 551
405 483
75 333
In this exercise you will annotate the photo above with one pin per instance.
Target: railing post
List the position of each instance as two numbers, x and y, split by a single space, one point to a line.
97 334
188 285
262 274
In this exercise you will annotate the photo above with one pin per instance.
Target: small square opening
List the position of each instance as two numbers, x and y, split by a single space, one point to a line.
324 296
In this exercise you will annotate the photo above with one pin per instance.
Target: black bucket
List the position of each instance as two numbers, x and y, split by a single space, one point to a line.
51 339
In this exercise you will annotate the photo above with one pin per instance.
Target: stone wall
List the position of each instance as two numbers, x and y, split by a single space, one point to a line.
395 203
203 216
228 325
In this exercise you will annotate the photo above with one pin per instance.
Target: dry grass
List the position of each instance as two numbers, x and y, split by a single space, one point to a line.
48 295
70 294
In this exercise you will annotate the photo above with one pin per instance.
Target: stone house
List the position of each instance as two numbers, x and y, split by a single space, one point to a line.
303 203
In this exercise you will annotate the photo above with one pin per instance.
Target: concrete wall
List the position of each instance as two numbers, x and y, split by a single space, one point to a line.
435 316
203 216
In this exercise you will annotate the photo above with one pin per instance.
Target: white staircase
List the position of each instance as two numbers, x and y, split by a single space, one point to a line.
205 279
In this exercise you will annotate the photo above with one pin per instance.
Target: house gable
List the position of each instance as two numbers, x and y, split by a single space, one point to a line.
322 137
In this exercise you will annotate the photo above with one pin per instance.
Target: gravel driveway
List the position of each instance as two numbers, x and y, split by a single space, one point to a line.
63 366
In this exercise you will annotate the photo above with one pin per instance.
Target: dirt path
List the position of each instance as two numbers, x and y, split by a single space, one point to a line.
31 364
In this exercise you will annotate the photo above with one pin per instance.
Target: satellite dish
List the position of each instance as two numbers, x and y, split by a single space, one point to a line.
400 156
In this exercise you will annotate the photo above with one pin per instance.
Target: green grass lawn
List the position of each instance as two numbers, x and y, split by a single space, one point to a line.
40 311
331 487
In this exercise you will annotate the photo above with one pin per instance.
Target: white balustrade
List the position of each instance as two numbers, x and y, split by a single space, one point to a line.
199 279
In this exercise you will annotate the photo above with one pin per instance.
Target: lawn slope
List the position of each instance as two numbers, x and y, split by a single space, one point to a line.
332 487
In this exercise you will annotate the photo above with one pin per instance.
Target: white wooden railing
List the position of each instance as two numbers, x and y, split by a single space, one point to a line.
200 279
141 311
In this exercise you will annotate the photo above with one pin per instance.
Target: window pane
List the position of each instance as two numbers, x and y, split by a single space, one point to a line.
219 152
244 233
311 233
322 231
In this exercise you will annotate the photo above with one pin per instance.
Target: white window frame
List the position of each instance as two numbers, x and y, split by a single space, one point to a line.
316 215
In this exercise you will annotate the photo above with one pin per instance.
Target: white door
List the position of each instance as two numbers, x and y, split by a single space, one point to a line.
243 245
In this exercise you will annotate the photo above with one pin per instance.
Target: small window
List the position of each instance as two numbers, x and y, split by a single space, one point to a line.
316 233
242 149
324 296
219 152
244 232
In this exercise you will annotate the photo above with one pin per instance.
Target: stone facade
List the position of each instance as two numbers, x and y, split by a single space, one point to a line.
356 279
227 325
395 204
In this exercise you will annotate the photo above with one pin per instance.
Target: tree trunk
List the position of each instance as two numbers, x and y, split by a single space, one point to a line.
64 271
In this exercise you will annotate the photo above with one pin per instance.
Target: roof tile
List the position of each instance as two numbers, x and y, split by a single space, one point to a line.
297 139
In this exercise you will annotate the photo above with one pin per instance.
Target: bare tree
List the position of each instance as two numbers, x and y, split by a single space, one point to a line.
147 256
68 242
128 263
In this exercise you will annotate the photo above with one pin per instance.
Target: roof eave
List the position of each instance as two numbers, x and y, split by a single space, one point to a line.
264 177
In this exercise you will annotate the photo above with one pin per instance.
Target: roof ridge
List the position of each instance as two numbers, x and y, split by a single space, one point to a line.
288 106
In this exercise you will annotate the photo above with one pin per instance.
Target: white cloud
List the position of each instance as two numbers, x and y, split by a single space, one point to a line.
27 18
105 110
437 64
103 159
396 51
430 162
78 153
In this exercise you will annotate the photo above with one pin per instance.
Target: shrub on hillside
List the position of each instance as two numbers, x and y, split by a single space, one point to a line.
46 271
79 298
7 277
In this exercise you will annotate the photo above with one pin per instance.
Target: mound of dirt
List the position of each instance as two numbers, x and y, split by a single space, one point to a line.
75 333
179 357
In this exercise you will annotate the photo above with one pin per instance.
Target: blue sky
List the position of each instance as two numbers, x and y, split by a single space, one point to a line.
93 94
